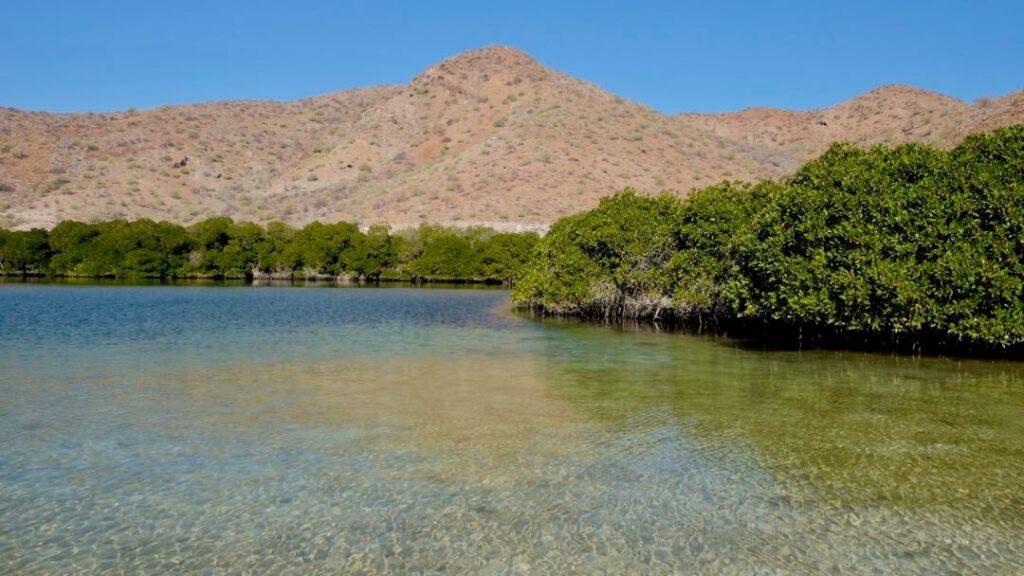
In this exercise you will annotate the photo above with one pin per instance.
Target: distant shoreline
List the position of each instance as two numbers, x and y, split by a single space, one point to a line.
220 248
8 278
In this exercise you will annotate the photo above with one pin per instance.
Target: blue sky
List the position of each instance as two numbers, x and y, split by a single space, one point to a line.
679 56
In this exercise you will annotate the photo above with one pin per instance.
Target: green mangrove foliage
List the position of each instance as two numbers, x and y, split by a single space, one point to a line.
222 248
910 242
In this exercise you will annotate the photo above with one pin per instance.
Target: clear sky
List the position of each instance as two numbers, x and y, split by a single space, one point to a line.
706 56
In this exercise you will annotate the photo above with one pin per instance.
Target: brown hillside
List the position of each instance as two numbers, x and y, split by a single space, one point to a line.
489 136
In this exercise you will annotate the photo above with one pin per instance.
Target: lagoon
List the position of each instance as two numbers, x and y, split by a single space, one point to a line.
185 429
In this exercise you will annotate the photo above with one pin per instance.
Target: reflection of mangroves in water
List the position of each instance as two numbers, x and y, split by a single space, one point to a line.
852 428
415 430
860 427
857 427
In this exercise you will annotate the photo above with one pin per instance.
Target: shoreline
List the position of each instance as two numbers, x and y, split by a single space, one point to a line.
236 282
249 279
760 334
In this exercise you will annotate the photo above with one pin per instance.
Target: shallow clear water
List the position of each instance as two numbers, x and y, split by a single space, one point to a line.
306 430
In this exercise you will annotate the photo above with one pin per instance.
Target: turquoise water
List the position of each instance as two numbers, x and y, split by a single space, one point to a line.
324 430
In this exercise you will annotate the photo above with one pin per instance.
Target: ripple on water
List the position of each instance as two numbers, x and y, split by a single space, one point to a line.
169 430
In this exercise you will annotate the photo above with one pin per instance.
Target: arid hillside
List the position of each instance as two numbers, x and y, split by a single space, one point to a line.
487 137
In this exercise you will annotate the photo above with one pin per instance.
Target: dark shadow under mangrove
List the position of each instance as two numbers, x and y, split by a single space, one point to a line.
770 336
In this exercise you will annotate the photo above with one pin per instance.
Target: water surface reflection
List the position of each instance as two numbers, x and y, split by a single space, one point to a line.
359 430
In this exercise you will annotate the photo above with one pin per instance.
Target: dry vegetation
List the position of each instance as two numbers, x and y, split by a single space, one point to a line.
488 137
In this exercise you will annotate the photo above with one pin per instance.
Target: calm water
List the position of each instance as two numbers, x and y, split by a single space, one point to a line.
307 430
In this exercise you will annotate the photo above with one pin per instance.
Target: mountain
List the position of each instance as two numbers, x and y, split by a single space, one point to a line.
487 137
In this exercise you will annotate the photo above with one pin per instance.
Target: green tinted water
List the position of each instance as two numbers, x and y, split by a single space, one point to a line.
290 430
